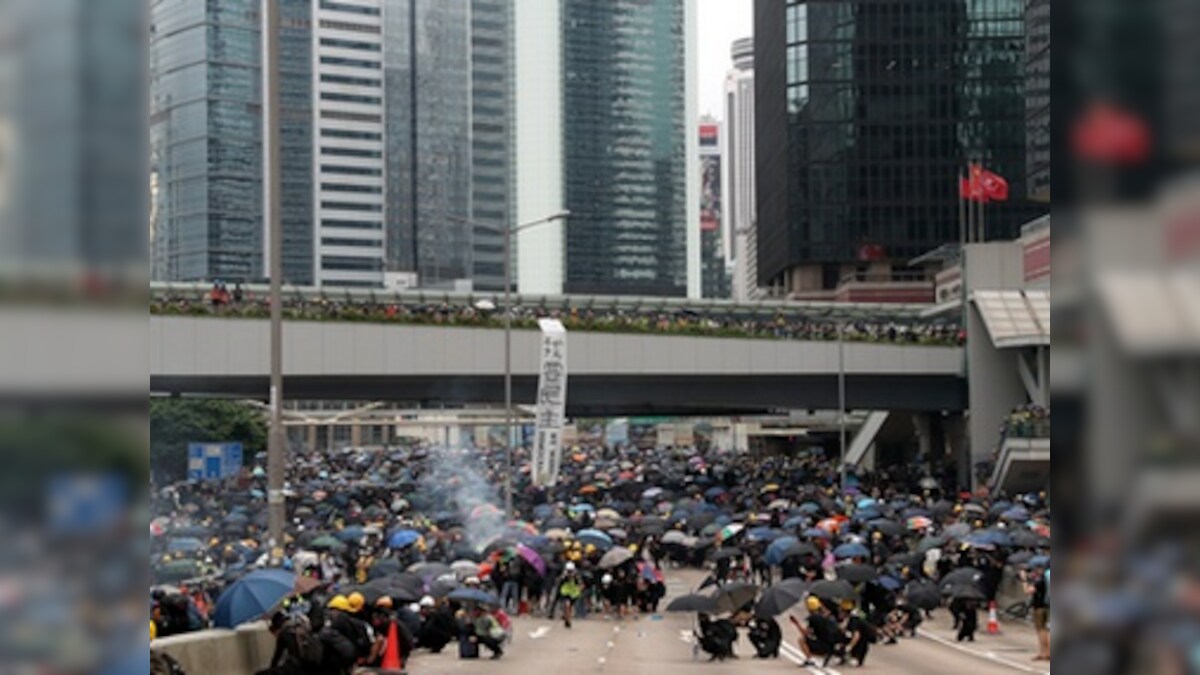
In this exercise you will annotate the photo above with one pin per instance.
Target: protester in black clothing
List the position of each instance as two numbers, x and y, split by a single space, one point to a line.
766 637
717 637
437 626
967 611
298 651
822 636
861 633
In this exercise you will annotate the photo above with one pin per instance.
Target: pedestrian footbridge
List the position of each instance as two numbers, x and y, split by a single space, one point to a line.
609 373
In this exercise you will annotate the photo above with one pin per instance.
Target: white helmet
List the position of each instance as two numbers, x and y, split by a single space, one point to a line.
606 579
570 566
427 601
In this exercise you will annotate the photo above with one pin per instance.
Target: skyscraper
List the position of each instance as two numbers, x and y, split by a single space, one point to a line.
348 203
604 109
205 140
72 137
867 110
427 67
396 140
492 77
714 279
1037 93
738 216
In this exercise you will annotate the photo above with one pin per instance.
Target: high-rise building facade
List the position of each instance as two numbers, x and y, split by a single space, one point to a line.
73 189
395 141
427 69
348 171
492 178
737 172
714 277
867 111
1037 97
606 98
206 140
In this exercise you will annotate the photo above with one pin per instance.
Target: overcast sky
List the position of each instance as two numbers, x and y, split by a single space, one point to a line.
720 23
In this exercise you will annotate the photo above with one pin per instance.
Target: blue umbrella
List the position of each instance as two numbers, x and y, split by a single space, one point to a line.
816 533
890 583
714 492
795 521
352 533
1039 561
1017 513
252 596
543 511
810 508
185 545
851 551
990 537
775 551
474 595
763 534
403 538
595 537
865 503
864 515
916 511
237 517
580 508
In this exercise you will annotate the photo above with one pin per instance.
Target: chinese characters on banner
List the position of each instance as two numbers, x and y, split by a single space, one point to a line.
551 403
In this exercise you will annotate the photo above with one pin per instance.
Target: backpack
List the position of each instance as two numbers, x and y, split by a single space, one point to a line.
308 648
337 647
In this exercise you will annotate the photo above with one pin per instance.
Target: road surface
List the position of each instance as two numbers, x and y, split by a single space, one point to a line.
662 645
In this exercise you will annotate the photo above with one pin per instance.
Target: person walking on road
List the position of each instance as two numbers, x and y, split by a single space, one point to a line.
1040 604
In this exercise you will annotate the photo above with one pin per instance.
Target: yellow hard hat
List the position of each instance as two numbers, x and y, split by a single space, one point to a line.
339 602
356 601
813 603
847 604
633 548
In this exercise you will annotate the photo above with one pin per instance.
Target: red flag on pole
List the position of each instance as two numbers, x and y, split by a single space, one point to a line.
971 188
995 188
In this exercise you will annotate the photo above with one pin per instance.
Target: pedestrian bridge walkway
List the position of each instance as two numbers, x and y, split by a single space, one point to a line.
609 372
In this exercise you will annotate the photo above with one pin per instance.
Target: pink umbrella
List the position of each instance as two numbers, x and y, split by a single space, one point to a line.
531 556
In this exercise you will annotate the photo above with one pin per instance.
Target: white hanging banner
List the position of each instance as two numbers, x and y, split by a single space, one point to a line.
551 403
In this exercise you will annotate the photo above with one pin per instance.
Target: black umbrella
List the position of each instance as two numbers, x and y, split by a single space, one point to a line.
799 549
907 559
923 594
383 568
694 602
930 543
835 591
732 597
781 597
1026 539
964 592
962 576
429 571
889 527
857 574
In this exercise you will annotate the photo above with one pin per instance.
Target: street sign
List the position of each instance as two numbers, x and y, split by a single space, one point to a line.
214 461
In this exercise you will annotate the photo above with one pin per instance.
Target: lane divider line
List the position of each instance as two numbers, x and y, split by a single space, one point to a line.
986 656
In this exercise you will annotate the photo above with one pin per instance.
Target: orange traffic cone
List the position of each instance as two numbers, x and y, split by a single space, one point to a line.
993 627
391 653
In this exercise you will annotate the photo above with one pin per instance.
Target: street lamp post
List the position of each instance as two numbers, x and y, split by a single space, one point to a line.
508 408
276 440
509 424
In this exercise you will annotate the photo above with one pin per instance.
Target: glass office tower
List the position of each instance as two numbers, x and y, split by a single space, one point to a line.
866 111
625 144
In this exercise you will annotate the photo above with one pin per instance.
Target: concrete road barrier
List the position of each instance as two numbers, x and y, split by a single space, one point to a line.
246 649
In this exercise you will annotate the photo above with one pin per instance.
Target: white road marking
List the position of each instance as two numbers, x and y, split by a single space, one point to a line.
540 633
797 657
988 656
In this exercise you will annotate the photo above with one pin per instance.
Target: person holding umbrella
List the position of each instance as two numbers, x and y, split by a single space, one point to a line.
766 637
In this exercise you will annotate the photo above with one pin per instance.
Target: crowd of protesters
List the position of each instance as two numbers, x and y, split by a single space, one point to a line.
407 547
769 325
